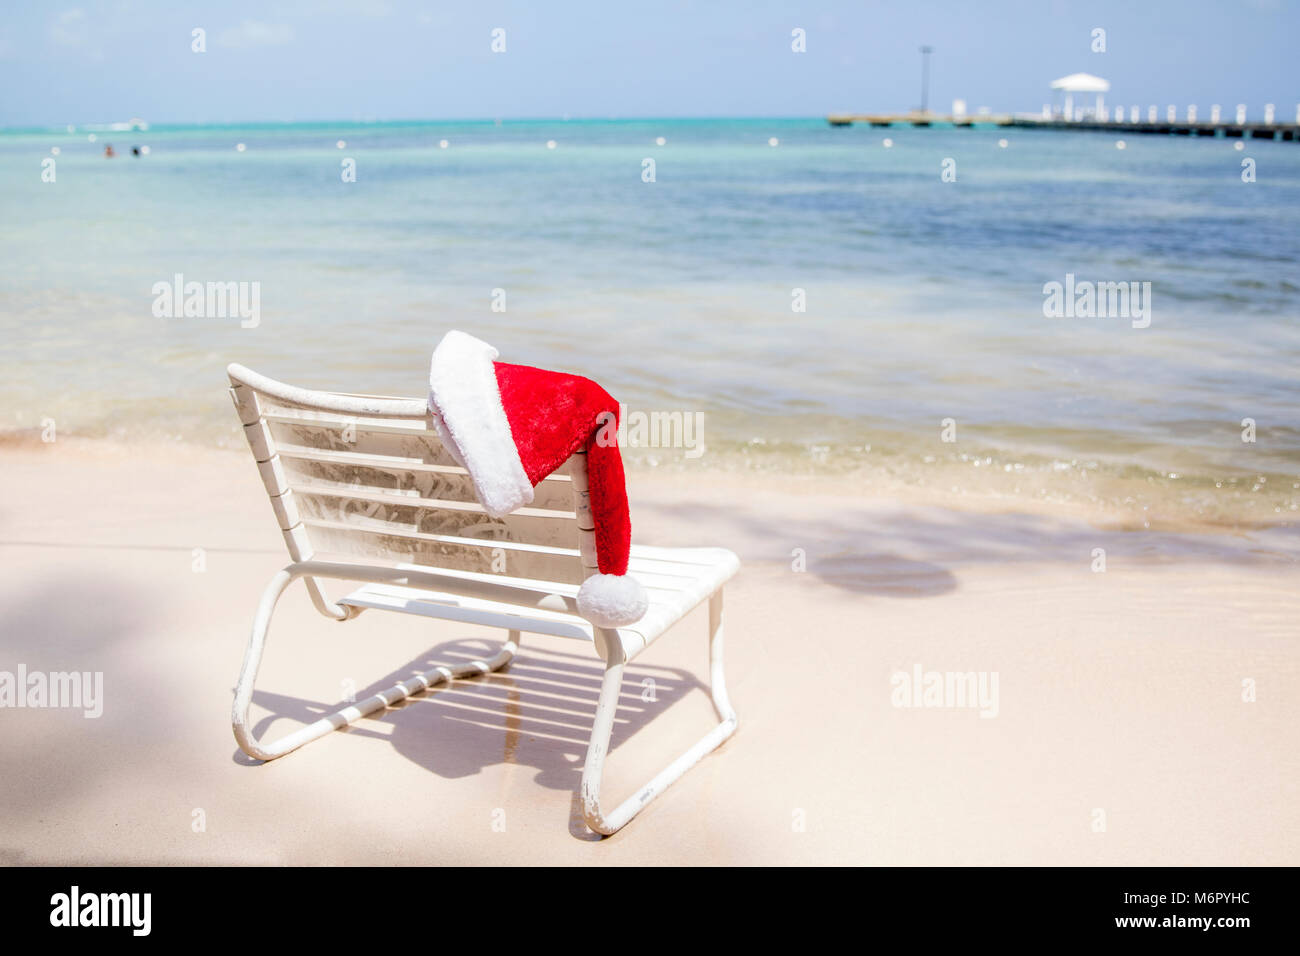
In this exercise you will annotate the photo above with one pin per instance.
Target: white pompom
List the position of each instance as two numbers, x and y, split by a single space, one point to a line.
612 600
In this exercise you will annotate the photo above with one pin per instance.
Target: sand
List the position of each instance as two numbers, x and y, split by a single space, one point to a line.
1120 736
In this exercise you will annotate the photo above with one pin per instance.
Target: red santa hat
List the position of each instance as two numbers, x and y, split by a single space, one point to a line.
512 425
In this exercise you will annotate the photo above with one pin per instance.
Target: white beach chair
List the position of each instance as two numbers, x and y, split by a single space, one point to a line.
364 492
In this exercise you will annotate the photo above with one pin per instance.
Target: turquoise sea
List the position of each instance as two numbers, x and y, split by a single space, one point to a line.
923 298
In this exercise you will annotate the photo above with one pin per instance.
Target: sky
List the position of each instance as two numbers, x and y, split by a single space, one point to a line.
76 61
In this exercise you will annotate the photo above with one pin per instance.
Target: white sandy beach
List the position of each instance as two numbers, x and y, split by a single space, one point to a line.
1119 691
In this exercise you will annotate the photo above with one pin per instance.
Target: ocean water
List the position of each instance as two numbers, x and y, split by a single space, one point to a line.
923 302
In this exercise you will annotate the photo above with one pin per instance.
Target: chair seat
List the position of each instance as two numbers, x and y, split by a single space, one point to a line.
675 580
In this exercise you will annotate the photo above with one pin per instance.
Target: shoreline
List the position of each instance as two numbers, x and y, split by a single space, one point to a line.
1074 490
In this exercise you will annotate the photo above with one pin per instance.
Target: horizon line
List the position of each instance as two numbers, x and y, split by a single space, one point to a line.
100 125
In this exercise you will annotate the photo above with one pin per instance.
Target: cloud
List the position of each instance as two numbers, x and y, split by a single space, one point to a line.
71 28
338 8
255 33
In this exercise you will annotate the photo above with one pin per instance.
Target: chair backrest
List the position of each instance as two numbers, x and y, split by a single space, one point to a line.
366 477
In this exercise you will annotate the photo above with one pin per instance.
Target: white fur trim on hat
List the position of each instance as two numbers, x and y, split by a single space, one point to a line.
465 404
612 600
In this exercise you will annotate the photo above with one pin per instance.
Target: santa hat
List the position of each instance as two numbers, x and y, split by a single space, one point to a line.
512 425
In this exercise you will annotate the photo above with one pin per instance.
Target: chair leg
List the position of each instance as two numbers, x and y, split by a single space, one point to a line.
598 749
341 718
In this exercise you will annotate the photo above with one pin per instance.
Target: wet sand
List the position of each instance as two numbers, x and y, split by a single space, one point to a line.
1121 735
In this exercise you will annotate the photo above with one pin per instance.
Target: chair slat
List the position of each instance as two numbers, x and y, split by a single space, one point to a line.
395 545
336 420
460 518
341 436
425 481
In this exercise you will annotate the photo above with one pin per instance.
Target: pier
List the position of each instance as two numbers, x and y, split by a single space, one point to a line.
1097 118
917 119
1229 129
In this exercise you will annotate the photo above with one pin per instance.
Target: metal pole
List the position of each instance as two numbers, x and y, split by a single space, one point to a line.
925 77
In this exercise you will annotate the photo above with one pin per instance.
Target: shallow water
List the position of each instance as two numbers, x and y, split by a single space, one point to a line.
924 298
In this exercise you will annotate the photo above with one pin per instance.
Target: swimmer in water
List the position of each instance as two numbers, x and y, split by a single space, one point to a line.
108 151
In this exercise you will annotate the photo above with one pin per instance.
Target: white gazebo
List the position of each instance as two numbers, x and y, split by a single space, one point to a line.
1081 83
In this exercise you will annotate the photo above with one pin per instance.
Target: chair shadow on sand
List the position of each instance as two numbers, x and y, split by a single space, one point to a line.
535 711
